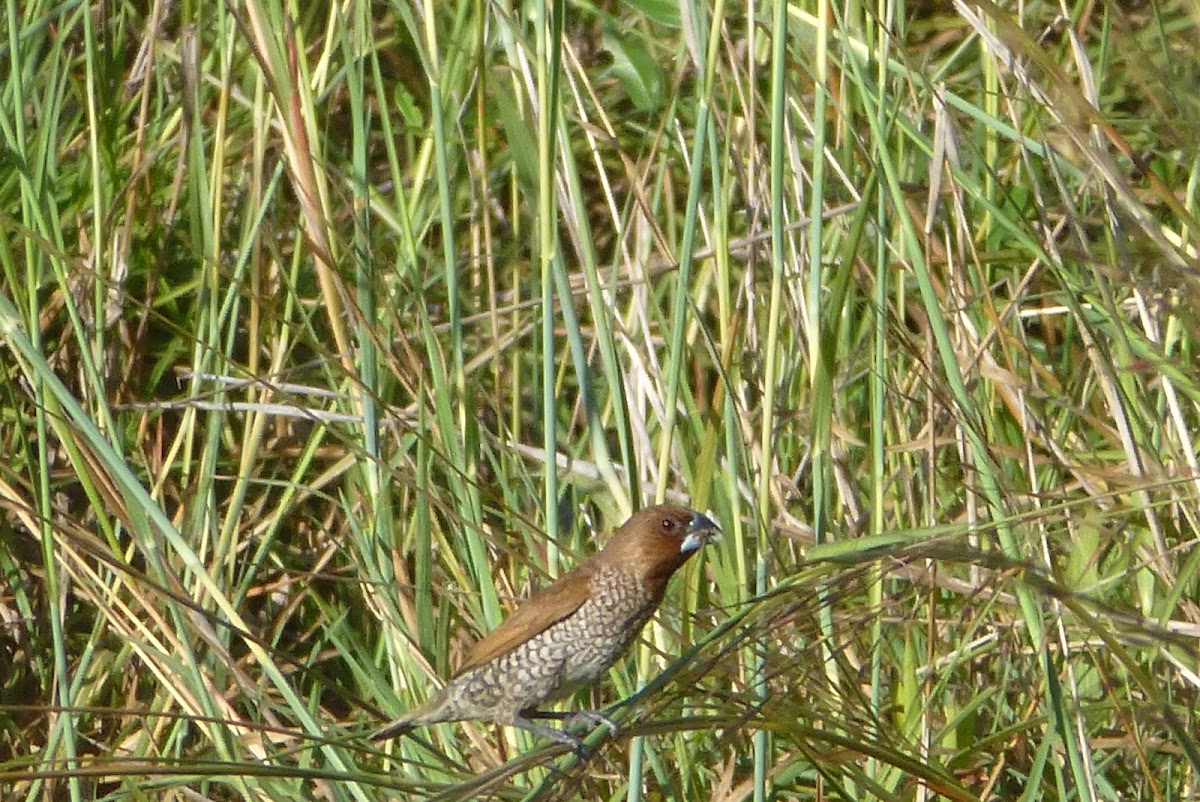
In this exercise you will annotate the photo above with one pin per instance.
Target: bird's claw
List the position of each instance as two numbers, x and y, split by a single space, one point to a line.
594 718
576 745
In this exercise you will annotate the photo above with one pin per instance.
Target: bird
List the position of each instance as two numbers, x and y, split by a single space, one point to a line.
567 636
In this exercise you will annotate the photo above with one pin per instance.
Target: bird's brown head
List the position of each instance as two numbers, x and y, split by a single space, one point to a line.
657 540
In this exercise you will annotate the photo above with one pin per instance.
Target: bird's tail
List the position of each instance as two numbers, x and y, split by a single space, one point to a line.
434 711
393 730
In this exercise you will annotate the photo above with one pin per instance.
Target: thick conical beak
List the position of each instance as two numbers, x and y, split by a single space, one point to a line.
700 531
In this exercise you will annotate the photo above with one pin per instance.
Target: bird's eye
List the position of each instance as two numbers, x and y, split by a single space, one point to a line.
668 524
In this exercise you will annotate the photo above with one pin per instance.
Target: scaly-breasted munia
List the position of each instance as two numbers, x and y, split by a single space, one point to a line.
568 635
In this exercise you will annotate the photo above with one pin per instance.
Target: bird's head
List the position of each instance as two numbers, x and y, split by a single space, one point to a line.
657 540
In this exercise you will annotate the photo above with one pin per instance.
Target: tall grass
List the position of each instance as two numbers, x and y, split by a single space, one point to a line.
331 331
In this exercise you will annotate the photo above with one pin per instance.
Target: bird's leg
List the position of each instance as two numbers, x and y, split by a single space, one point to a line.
575 718
550 733
594 718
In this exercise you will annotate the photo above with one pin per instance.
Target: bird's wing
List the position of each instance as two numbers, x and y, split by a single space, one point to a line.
558 601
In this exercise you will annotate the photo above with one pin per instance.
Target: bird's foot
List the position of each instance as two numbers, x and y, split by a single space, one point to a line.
594 718
568 740
574 718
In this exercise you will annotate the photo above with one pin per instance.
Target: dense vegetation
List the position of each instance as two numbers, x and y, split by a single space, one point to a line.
330 330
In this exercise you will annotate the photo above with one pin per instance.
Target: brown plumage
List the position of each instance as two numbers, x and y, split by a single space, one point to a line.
568 635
